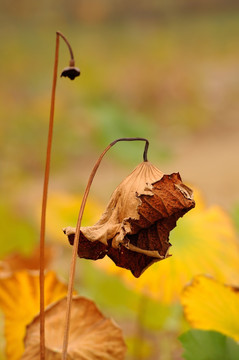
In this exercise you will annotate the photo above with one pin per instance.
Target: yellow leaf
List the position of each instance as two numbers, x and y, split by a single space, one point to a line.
63 209
19 301
210 305
91 336
204 242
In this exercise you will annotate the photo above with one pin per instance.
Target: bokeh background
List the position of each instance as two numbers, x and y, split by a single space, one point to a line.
168 71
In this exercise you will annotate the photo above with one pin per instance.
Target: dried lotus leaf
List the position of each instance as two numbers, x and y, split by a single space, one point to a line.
91 336
134 229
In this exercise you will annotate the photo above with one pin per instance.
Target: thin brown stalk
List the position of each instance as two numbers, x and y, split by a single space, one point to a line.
77 236
140 333
45 188
44 204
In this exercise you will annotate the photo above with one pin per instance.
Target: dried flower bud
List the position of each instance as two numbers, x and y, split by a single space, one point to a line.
134 229
71 72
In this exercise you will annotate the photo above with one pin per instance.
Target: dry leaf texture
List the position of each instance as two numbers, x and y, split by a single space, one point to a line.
134 229
91 337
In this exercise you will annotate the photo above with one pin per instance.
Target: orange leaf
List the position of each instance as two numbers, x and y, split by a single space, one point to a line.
16 261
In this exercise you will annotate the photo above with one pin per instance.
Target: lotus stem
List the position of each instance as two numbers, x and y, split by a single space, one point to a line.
77 237
45 194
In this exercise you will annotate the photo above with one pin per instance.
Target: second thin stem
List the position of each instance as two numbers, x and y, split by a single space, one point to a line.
77 237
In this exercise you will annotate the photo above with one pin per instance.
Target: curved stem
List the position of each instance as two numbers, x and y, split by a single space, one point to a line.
77 237
45 193
44 205
145 154
69 47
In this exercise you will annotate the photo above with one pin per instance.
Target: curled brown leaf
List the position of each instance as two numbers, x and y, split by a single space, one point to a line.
134 229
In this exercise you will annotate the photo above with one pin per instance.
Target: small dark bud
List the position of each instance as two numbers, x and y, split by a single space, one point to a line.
71 72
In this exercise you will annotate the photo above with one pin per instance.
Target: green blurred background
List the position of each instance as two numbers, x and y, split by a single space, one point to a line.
168 71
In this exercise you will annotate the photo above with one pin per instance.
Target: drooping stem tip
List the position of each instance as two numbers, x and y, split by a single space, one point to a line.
71 71
69 46
145 154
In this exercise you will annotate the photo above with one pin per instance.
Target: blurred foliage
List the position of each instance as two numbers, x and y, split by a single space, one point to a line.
112 10
145 321
210 305
18 234
63 210
141 346
235 216
160 70
136 79
204 345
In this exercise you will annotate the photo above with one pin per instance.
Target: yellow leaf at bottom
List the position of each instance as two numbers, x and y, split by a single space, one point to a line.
19 301
210 305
